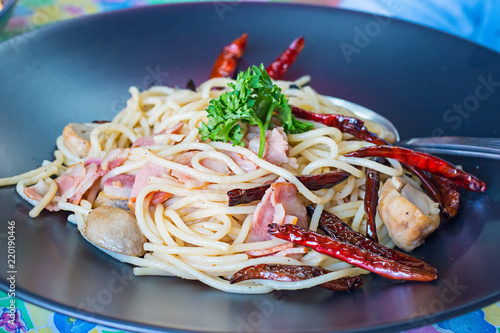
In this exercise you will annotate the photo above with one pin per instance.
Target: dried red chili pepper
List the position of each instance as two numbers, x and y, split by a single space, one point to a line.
323 180
351 125
312 182
357 128
427 184
450 194
372 186
225 65
349 253
240 196
292 273
336 228
424 162
278 67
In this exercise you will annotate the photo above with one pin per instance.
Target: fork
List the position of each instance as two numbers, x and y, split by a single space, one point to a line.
449 145
454 145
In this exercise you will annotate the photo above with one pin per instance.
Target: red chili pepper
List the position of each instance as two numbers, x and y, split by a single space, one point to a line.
356 127
349 253
450 194
351 125
278 67
424 162
427 184
291 273
371 202
337 229
225 65
312 182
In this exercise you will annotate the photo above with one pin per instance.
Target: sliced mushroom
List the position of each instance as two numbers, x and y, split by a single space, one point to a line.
409 214
116 230
105 200
77 138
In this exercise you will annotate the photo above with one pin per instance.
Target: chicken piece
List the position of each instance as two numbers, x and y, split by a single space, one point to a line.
409 214
116 230
77 138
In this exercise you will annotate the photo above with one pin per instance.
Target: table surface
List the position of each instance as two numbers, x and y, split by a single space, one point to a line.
31 14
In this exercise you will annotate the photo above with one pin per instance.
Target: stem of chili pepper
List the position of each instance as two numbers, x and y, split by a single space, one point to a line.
278 67
371 202
292 273
449 193
191 85
349 253
336 228
424 162
312 182
225 65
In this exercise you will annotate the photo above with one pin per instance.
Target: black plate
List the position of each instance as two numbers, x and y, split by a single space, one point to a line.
80 71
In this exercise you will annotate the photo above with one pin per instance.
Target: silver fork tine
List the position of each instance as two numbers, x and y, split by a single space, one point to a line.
465 146
450 145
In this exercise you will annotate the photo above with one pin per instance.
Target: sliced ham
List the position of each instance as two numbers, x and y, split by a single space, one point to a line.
141 179
215 165
95 160
114 159
119 187
189 181
159 197
294 252
77 179
210 163
244 163
176 129
159 138
38 191
145 141
280 204
270 250
276 149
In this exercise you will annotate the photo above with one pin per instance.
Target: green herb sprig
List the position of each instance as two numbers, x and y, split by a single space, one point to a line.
254 100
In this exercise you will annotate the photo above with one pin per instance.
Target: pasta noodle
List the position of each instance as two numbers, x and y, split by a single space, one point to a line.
193 234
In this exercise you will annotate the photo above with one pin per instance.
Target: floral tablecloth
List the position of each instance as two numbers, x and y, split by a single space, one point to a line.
31 14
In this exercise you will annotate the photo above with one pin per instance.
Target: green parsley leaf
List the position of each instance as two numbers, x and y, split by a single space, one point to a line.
254 100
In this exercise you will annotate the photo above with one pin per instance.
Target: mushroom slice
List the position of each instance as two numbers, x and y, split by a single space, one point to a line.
116 230
77 138
105 200
409 214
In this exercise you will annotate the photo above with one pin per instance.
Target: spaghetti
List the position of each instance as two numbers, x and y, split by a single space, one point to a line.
182 207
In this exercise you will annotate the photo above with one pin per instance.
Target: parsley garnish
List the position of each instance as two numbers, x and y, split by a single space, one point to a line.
254 100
